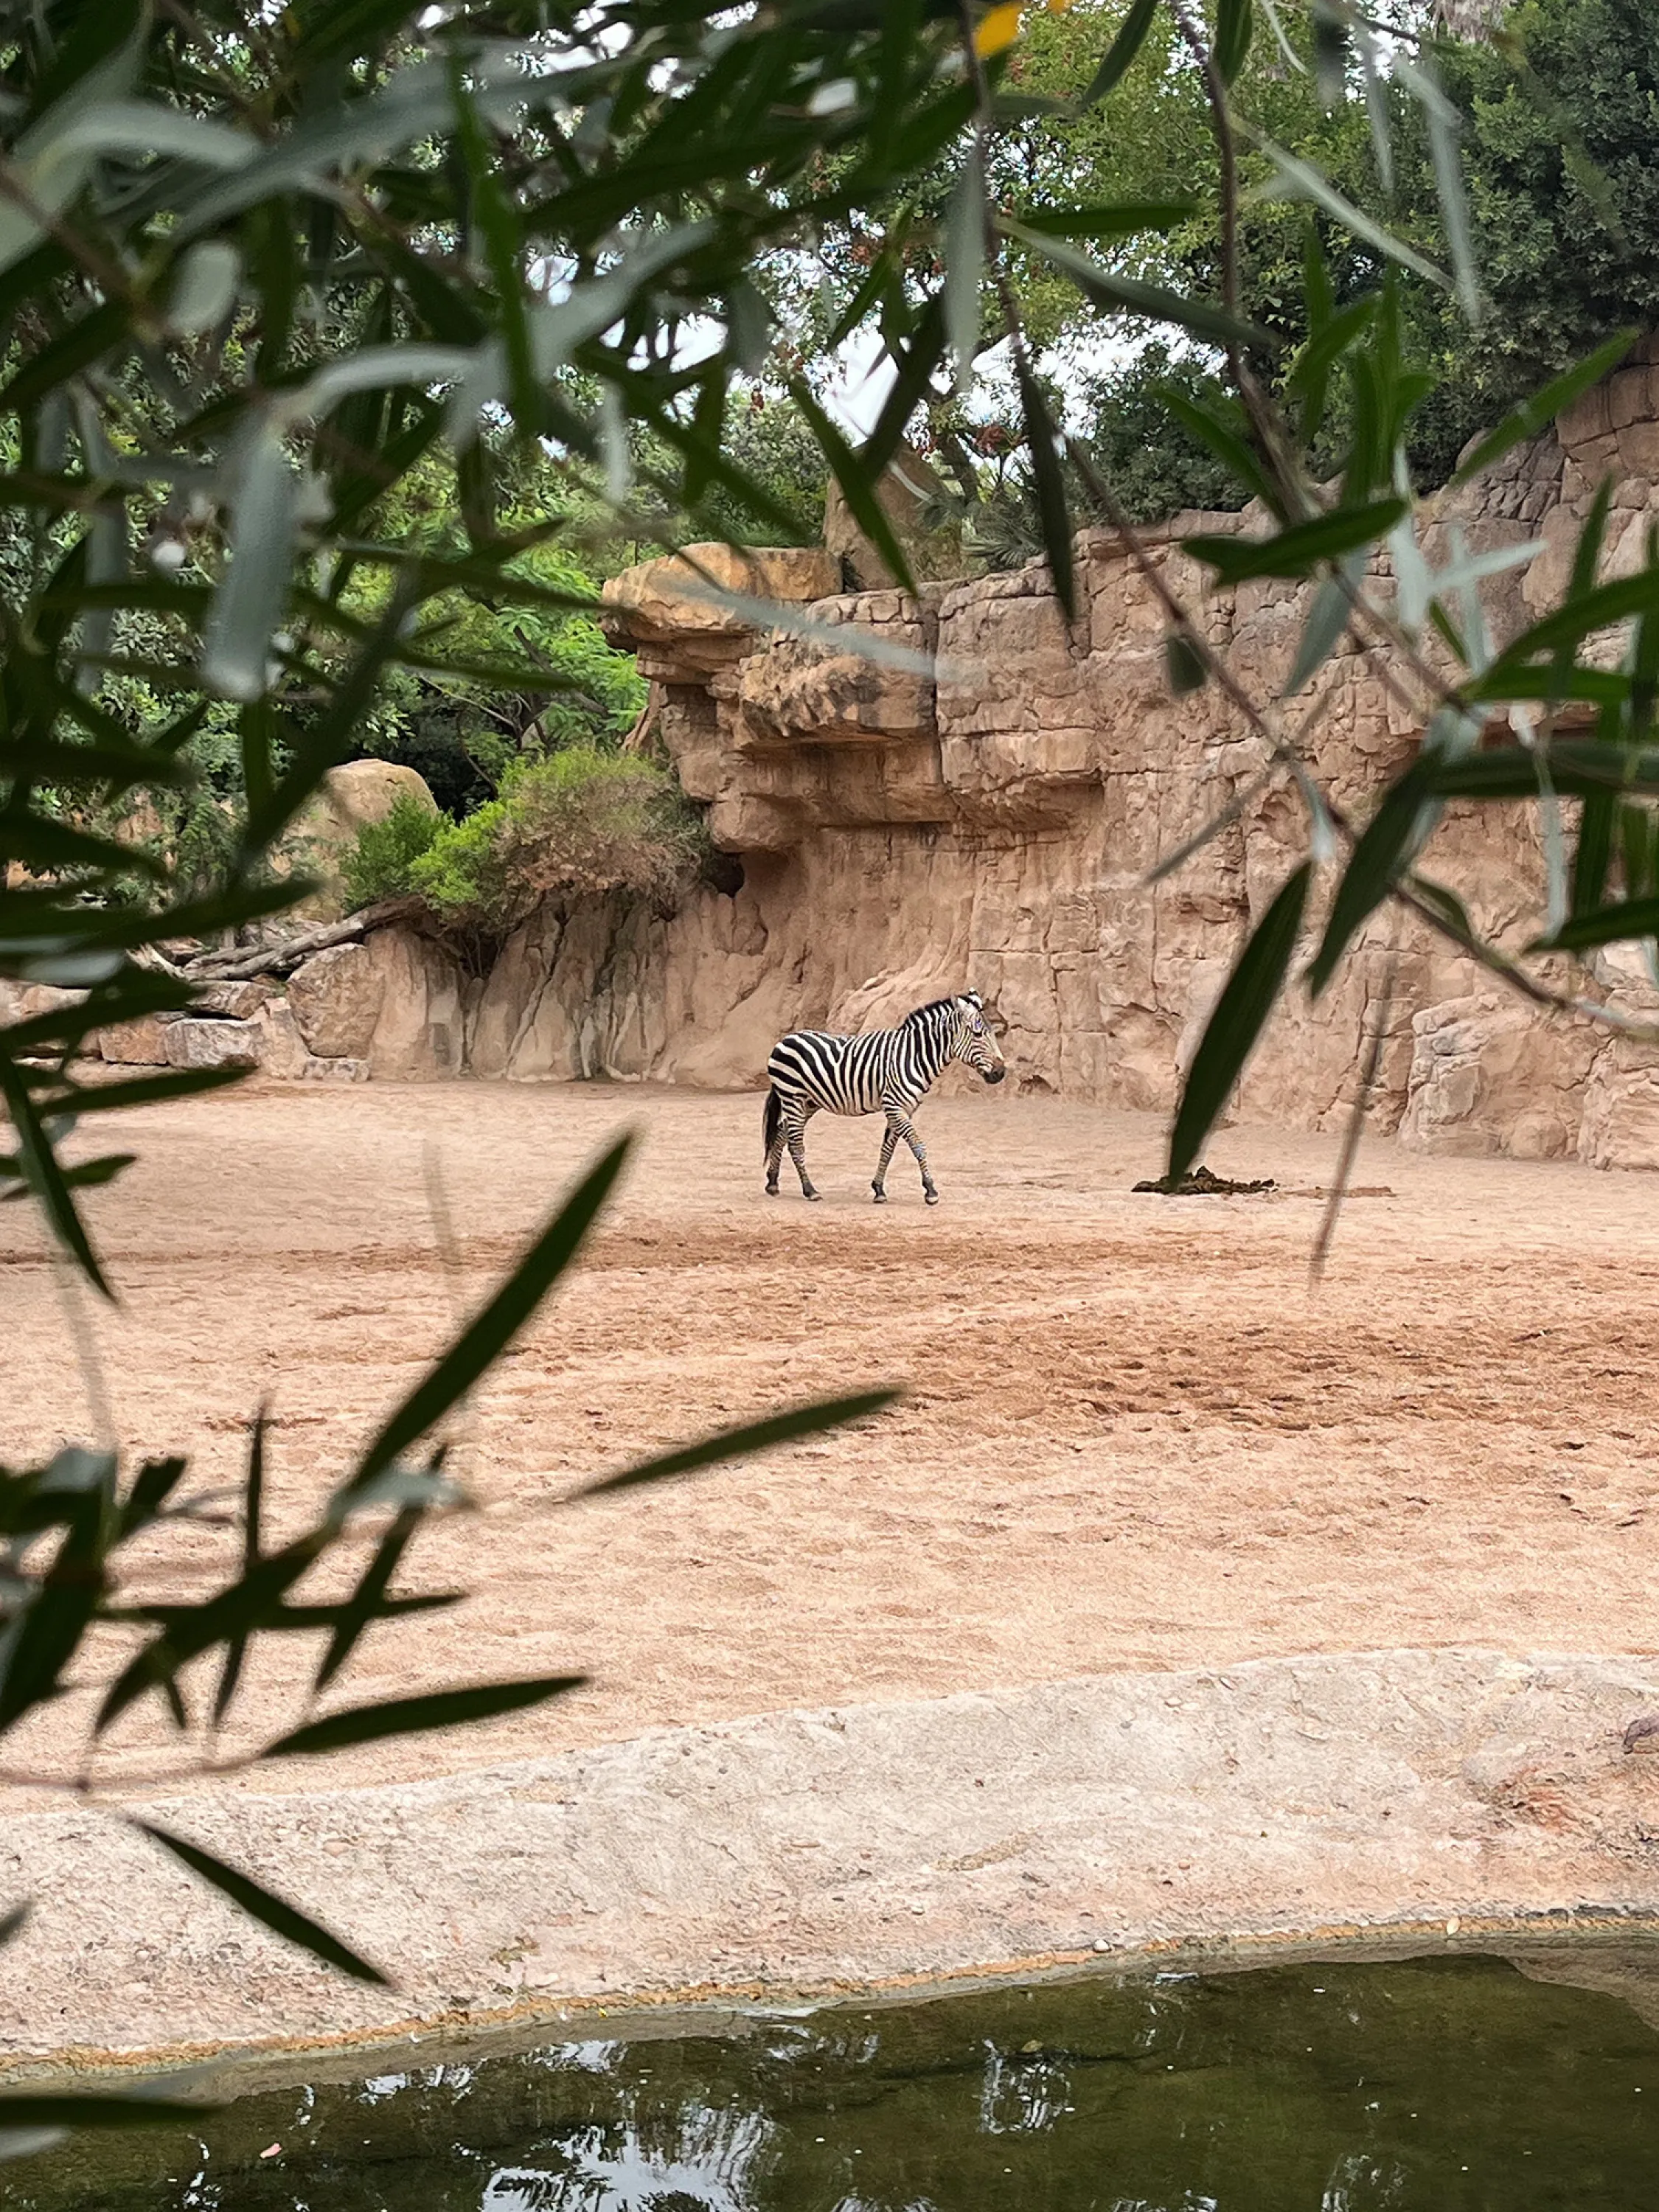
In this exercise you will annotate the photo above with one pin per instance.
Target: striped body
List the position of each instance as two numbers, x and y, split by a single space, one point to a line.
887 1072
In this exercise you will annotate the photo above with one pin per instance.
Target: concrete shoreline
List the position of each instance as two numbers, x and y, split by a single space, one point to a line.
1369 1799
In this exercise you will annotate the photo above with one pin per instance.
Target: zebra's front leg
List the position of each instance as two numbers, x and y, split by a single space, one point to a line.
794 1131
899 1124
889 1142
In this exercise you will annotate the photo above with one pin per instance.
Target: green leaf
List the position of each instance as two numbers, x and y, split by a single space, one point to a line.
1302 180
45 1175
367 1601
1121 54
1535 415
440 1708
1322 632
1115 294
1221 427
1244 1005
1566 630
1184 665
1390 842
230 1673
1299 551
484 1338
154 1483
852 474
1234 23
69 2108
1052 507
262 1904
1120 219
248 605
1608 925
1576 769
739 1443
964 265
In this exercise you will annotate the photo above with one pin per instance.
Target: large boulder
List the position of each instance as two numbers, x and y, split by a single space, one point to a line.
913 495
352 796
335 998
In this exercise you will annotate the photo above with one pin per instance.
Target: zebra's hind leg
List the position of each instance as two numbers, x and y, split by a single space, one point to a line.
795 1119
774 1162
879 1185
899 1124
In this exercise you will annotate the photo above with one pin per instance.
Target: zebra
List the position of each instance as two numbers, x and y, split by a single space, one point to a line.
886 1071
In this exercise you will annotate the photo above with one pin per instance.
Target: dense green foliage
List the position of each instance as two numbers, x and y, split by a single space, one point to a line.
580 820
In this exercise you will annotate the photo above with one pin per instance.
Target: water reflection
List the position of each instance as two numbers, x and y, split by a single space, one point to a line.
1426 2086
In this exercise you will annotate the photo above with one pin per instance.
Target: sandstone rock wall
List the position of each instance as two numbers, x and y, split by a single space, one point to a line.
983 802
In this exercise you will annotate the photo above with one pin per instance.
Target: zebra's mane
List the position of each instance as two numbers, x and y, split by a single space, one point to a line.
932 1006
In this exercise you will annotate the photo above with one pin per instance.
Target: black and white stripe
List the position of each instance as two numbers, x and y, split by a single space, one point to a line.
888 1071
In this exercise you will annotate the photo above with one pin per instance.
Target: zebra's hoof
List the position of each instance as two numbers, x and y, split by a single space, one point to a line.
771 1190
811 1196
932 1196
879 1196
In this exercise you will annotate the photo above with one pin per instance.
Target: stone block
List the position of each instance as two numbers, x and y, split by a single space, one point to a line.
318 1069
140 1043
195 1043
237 1001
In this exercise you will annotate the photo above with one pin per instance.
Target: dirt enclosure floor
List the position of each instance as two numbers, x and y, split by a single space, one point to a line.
1133 1438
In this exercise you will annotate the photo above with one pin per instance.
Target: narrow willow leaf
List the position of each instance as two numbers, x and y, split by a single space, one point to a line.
1330 43
440 1709
1297 551
50 169
739 1443
14 1923
1052 507
1322 632
1301 180
69 2108
851 471
1249 998
1184 665
1377 112
1115 294
485 1338
1390 842
1445 123
248 605
1608 925
230 1673
964 265
1564 630
1221 427
1121 54
366 1601
1117 219
46 1174
270 1910
1536 414
204 287
1234 23
1579 769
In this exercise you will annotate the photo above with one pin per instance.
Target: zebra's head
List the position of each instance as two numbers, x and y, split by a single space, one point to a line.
973 1041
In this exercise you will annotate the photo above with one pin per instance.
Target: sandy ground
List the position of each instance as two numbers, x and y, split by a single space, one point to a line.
1133 1439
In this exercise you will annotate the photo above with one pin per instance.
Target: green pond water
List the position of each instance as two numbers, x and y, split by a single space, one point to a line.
1425 2085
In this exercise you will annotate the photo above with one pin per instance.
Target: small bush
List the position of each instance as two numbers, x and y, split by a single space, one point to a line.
581 820
381 864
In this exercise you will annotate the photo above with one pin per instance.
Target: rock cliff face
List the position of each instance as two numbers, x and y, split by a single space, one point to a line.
981 804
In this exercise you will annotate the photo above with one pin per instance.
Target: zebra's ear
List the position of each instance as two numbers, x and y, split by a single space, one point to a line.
972 998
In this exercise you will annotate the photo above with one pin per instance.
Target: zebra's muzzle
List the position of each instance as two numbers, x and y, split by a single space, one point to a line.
994 1074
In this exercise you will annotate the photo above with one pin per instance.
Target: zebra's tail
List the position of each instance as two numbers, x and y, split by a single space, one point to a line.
769 1121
